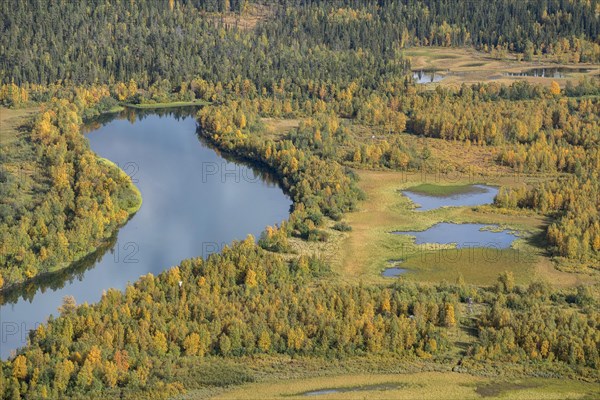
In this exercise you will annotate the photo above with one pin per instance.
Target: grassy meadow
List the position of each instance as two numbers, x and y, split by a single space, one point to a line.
370 247
422 385
465 65
430 189
425 385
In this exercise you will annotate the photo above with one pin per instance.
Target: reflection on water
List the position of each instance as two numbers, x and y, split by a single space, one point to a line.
475 195
58 279
194 202
464 235
424 76
549 72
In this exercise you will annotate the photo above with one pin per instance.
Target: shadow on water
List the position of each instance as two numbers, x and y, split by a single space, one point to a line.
76 271
139 114
58 279
260 170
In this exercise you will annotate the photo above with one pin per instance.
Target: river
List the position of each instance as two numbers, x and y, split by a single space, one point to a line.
195 201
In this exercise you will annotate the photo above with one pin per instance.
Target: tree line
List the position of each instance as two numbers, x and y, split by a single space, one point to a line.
103 41
243 301
148 340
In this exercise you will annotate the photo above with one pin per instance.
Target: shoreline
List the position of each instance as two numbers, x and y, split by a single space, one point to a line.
172 104
131 211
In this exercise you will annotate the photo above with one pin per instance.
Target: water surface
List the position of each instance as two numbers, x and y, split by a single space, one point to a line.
427 76
393 272
194 202
464 235
475 195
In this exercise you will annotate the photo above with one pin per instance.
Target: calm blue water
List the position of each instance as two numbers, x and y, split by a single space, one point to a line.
478 195
463 235
194 202
393 272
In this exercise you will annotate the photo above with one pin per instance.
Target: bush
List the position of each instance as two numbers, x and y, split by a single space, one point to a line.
342 227
317 235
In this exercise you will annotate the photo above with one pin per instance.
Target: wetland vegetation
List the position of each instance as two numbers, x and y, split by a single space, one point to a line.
429 197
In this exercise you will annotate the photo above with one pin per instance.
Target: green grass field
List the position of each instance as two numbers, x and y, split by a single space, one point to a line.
477 265
443 190
466 65
423 385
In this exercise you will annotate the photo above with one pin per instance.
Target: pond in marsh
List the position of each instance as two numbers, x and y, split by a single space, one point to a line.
557 72
393 272
464 235
427 76
430 197
194 202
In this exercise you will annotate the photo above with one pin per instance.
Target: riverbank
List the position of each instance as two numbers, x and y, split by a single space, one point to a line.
173 104
16 124
24 170
134 200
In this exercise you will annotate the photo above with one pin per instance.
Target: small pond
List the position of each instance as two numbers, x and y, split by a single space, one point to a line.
393 272
463 196
427 76
464 235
